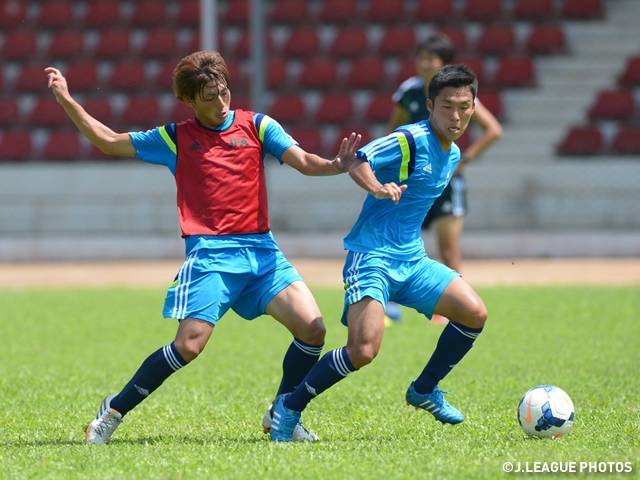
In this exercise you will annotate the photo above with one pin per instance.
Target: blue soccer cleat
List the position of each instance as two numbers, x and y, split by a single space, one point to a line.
286 425
435 404
299 434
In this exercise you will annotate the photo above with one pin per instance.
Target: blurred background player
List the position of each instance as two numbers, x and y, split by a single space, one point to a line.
410 106
232 260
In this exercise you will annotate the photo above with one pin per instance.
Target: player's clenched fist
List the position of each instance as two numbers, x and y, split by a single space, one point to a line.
392 191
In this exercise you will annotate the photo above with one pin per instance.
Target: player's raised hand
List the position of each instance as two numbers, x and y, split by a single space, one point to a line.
347 154
58 84
390 190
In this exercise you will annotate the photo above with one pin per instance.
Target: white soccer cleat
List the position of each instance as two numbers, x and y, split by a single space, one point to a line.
102 427
300 434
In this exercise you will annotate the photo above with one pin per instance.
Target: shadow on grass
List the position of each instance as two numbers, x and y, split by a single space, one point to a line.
149 440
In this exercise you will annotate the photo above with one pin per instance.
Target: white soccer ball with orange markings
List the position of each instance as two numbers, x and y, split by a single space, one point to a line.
545 411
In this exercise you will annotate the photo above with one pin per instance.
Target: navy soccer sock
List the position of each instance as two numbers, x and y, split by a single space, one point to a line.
332 367
154 370
299 359
454 343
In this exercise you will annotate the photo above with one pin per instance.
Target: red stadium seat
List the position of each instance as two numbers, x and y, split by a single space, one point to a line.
385 11
241 102
66 45
626 140
161 44
379 108
100 109
482 10
82 76
397 41
179 112
237 79
310 139
515 72
546 40
127 76
12 14
101 14
349 42
366 73
335 108
243 46
474 63
188 14
533 10
163 79
319 73
492 100
613 105
287 109
18 45
289 12
345 132
277 74
142 112
195 46
62 146
47 112
496 40
407 70
581 141
57 14
9 112
434 11
112 44
338 11
31 79
582 9
237 13
302 43
631 75
457 35
149 13
15 146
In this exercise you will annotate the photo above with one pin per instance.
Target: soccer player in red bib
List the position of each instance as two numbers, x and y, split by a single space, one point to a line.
232 260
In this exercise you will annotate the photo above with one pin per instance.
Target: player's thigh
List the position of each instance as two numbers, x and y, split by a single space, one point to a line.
426 281
204 288
461 304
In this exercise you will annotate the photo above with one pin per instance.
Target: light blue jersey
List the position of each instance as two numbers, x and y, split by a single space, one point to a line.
411 156
152 147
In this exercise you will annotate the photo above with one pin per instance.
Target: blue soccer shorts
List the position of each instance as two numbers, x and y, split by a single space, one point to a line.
211 281
417 283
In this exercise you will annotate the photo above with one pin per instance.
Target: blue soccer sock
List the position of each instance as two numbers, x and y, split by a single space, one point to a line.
297 362
332 367
154 370
454 343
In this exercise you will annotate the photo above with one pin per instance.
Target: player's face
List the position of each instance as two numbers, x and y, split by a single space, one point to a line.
427 64
212 107
450 114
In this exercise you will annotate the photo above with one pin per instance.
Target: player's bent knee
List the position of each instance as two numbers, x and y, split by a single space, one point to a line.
362 355
314 332
188 349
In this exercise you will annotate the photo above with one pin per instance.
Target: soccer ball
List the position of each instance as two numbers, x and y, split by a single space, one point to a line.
545 411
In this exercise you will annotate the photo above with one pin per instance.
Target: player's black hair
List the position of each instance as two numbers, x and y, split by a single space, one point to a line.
438 44
194 71
457 76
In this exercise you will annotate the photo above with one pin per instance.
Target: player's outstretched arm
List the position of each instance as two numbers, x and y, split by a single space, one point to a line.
311 164
363 175
103 137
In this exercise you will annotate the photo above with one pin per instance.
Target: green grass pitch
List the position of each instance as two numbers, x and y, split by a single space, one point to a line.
62 351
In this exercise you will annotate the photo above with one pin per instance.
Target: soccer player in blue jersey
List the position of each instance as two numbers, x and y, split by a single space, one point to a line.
403 173
232 259
410 106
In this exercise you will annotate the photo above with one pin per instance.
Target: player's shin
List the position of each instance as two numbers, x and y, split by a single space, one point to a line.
454 343
330 369
152 373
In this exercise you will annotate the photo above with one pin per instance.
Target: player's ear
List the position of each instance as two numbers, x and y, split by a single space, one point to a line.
429 105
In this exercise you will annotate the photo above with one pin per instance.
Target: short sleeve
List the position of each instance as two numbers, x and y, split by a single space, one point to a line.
157 146
275 141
